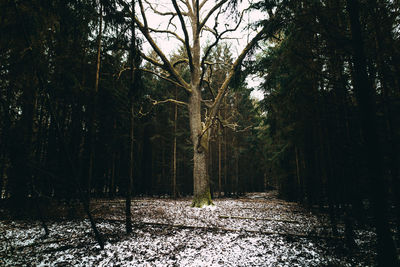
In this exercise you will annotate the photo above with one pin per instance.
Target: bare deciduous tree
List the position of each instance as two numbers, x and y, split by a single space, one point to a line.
188 22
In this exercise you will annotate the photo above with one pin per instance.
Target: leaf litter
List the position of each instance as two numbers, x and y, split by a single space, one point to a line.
255 230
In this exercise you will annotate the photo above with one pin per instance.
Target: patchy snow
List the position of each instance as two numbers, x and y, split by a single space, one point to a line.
258 230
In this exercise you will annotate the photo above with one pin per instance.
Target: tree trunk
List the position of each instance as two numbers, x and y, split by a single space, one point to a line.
299 180
128 215
92 130
5 133
387 255
112 178
199 136
226 189
219 163
130 179
174 193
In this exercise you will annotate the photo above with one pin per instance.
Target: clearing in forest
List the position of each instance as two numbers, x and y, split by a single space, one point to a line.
255 230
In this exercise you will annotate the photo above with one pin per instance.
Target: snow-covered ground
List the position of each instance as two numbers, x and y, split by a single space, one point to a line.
257 230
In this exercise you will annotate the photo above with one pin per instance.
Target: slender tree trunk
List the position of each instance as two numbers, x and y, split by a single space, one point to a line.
174 193
219 162
112 171
299 180
210 165
112 178
128 215
92 131
2 175
226 189
4 137
130 179
237 155
34 182
387 254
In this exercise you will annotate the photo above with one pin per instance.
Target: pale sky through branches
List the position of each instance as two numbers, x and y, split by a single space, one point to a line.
169 44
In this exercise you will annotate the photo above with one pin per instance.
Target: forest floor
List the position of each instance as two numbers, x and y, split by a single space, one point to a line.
255 230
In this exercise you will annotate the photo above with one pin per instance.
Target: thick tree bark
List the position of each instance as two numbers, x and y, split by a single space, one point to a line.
387 254
201 182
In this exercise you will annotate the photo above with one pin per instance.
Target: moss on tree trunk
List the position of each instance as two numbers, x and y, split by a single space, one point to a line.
202 199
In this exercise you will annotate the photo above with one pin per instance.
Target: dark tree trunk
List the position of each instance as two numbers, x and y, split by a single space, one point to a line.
387 255
128 215
219 161
93 118
130 177
174 190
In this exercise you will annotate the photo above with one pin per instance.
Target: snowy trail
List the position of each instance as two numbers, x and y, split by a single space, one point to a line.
257 230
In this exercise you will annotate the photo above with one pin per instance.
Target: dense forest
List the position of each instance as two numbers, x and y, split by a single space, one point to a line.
93 108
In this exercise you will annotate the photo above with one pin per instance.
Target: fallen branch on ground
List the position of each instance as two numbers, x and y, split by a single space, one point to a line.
257 219
207 228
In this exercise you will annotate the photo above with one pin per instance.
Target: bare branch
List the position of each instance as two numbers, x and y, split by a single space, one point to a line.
210 13
219 36
163 77
141 114
187 4
171 23
236 64
197 16
170 100
180 61
244 130
215 63
209 123
206 28
151 60
209 88
167 63
143 14
208 51
217 39
202 4
121 71
154 9
168 32
187 45
232 126
208 83
207 102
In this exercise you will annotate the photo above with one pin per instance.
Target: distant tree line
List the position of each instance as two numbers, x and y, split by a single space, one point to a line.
332 90
65 111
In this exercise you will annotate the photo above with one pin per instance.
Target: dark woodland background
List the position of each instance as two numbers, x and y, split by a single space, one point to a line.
326 133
